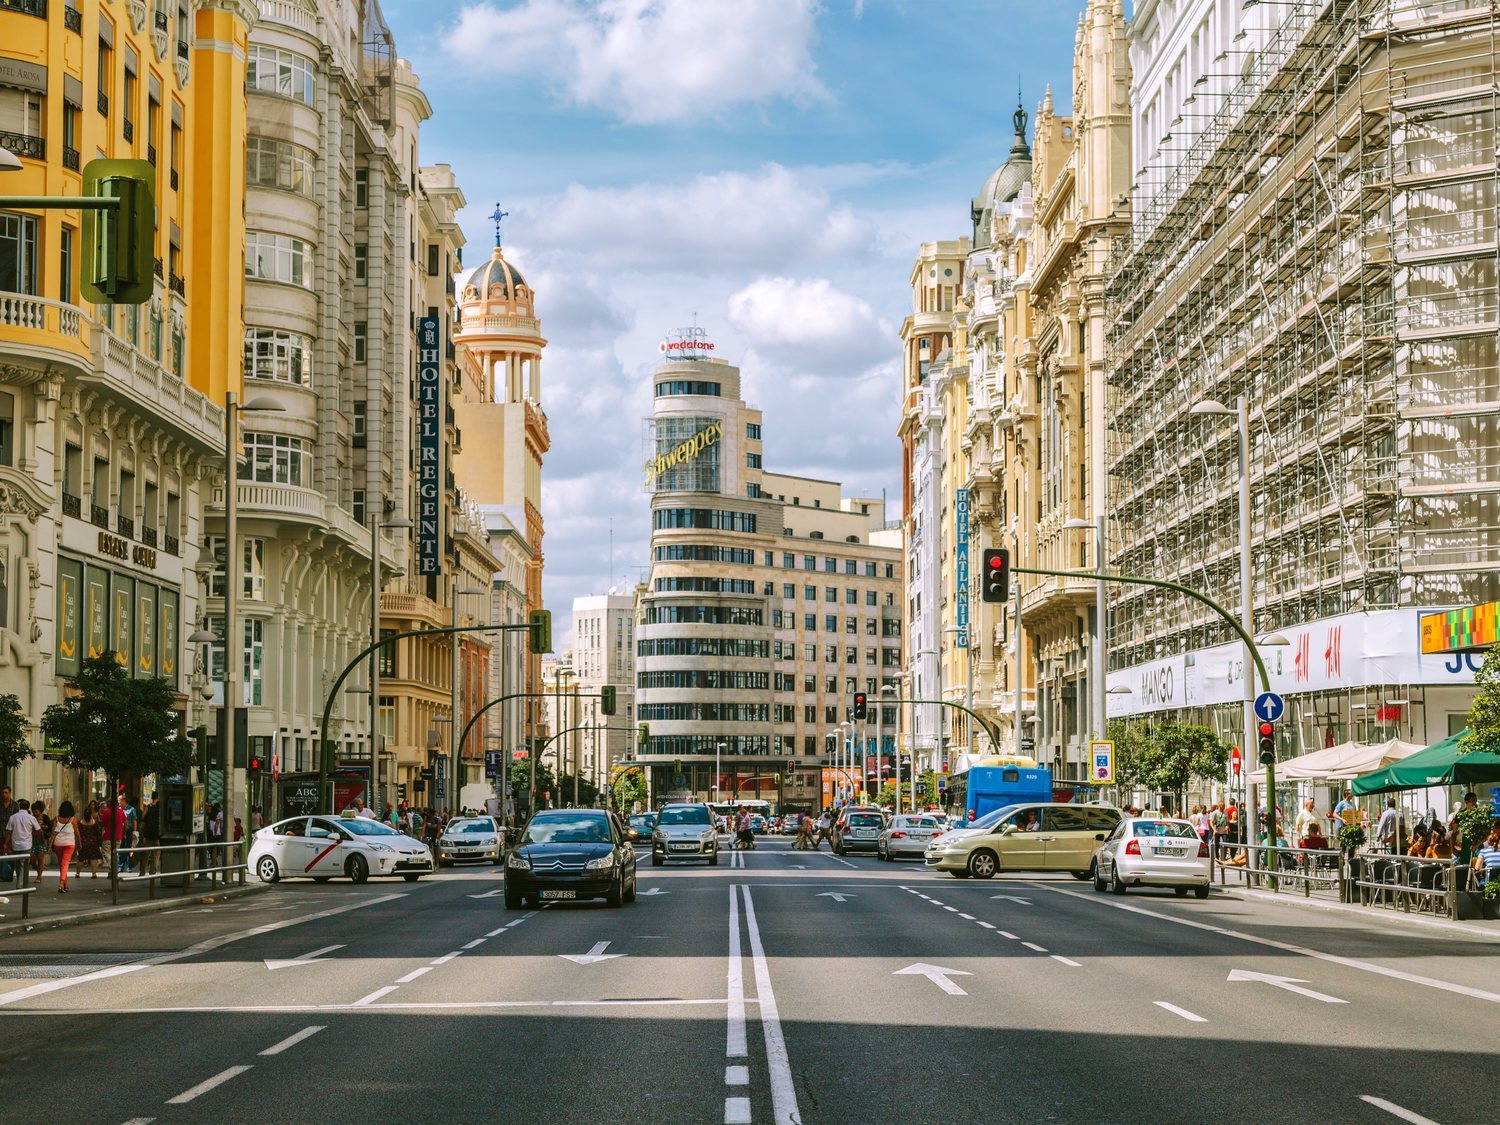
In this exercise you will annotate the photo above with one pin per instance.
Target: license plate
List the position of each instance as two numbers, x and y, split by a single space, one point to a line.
559 894
1175 853
684 847
864 832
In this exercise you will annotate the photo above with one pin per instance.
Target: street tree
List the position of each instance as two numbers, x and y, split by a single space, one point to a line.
629 788
1167 757
15 747
1484 712
122 726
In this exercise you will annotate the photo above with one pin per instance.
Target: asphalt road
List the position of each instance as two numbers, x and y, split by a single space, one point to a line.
780 986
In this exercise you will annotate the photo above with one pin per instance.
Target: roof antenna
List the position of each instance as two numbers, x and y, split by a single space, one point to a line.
496 215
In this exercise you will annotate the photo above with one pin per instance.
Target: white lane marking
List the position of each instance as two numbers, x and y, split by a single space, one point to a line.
293 1040
967 917
734 1046
204 1087
593 956
366 1001
501 930
836 896
140 1121
446 957
305 959
1007 934
736 1076
1176 1011
488 894
784 1109
934 901
1289 984
1287 947
986 925
937 974
1396 1111
1066 961
654 891
398 1006
951 909
841 859
736 1111
205 946
1013 898
414 974
1032 945
475 944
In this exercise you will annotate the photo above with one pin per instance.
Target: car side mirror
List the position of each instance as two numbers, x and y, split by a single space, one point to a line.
1008 830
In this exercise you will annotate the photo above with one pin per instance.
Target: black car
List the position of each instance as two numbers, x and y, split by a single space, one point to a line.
638 828
569 854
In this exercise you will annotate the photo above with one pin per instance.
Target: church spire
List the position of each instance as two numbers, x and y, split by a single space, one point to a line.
1019 149
496 216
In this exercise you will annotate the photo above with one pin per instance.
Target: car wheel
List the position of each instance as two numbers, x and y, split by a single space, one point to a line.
1099 883
630 890
616 895
321 878
410 876
1180 892
358 869
267 870
1116 884
1201 892
983 864
713 860
657 861
514 900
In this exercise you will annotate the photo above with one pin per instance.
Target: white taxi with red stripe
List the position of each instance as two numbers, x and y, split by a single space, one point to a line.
322 847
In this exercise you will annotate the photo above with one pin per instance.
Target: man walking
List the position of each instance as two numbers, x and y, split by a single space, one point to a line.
8 809
151 835
825 831
22 831
1391 831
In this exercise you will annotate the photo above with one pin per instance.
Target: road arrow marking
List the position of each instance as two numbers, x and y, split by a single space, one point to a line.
1288 983
836 896
490 894
1013 898
654 891
797 866
306 959
593 956
937 975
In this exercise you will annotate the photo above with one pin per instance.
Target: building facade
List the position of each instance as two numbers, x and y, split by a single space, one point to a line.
772 599
604 656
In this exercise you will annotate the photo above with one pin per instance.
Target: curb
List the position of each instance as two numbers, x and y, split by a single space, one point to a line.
32 925
1469 929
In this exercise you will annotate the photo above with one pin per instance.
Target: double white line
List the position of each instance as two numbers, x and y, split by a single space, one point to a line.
783 1090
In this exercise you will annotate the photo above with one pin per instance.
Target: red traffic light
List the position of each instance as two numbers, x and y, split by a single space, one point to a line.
1267 730
996 562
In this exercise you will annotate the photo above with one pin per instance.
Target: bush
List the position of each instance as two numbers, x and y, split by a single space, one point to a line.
1351 837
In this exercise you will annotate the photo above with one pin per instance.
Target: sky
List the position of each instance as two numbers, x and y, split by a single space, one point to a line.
768 167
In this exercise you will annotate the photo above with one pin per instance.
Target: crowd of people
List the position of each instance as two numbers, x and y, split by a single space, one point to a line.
96 836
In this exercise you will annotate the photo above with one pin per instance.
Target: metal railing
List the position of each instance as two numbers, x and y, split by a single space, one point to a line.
24 892
232 865
1272 867
1405 883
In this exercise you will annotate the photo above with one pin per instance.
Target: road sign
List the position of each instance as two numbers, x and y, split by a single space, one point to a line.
1102 761
942 783
1234 759
426 773
492 763
1269 706
519 755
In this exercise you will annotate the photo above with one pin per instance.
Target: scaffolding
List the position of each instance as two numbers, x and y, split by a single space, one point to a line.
1327 248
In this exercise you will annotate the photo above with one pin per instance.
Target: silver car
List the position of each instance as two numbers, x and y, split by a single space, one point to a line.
685 832
1153 852
470 839
907 835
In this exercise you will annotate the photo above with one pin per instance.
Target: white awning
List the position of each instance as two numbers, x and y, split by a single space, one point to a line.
1346 760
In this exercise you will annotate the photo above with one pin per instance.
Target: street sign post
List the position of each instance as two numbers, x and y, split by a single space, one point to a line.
1102 762
1269 706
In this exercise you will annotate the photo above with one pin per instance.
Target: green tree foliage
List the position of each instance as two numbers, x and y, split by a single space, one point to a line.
1166 757
15 747
588 792
125 727
1484 713
630 787
520 776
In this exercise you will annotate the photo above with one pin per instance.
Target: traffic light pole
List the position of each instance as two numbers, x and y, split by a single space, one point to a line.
554 738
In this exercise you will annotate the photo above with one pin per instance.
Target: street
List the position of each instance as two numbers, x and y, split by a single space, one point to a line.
779 986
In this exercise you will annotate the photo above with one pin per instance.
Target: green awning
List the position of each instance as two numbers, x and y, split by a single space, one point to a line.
1442 763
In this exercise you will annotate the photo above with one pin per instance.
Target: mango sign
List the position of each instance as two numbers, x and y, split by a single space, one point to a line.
685 451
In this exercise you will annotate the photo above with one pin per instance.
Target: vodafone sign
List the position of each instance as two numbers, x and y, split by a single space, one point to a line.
674 347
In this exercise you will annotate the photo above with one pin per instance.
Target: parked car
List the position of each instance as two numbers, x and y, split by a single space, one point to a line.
569 854
322 847
1032 837
907 835
471 839
1153 852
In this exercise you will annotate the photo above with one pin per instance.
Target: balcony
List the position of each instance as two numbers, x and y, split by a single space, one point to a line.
171 546
173 179
36 8
20 143
72 506
286 500
182 49
128 129
72 19
20 310
125 526
160 270
98 516
290 14
103 103
176 284
160 22
70 159
148 536
151 154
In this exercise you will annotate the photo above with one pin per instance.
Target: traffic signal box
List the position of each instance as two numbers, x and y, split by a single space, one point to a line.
607 700
119 243
861 705
539 631
995 586
1267 743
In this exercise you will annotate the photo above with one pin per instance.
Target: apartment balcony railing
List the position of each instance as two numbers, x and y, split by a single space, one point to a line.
148 536
125 526
72 19
70 159
171 546
151 154
98 516
160 270
129 129
36 8
173 179
72 506
20 143
176 284
21 310
103 103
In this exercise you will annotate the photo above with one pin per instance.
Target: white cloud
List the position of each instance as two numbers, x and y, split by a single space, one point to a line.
649 61
810 326
725 220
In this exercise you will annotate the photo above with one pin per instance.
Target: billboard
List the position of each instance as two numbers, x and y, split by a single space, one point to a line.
429 444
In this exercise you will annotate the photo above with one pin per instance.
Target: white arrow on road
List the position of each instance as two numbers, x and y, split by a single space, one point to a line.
490 894
937 975
1288 983
797 866
654 891
836 896
593 956
1013 898
306 959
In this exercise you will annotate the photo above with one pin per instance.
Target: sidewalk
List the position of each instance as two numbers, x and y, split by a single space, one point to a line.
89 900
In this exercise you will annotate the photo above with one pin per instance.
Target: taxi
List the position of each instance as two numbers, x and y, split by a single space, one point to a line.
322 847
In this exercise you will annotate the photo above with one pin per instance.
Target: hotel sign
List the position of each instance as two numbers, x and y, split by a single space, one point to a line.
429 444
684 451
961 567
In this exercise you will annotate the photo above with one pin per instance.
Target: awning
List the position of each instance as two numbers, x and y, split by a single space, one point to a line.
1346 760
1443 763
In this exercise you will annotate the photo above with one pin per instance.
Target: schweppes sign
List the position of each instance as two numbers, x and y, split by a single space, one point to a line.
684 451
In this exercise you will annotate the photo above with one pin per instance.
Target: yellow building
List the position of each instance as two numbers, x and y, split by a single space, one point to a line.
110 423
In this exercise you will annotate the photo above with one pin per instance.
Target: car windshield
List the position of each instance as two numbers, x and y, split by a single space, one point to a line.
685 815
360 826
464 826
866 820
567 830
1163 828
989 819
915 822
642 821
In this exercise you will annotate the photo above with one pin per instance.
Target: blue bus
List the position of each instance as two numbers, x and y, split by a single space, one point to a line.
995 783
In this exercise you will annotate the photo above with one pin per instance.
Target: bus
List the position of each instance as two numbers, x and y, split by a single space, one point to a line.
730 810
994 783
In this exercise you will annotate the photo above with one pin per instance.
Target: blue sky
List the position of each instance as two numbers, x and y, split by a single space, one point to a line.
770 165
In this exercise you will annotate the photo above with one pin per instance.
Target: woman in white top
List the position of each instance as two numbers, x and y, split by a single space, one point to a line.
64 840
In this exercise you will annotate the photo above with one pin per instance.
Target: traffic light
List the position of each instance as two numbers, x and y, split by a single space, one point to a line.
1267 744
861 708
539 625
791 767
643 734
254 764
607 700
119 243
996 581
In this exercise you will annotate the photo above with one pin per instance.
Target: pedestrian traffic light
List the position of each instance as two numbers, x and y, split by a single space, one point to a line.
996 582
607 700
254 764
791 767
1267 744
119 243
642 734
539 625
861 708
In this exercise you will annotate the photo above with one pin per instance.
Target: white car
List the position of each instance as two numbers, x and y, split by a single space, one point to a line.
1153 852
470 838
907 835
322 847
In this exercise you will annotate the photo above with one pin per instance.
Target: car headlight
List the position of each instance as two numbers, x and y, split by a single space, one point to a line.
658 837
378 847
601 863
491 842
518 861
708 836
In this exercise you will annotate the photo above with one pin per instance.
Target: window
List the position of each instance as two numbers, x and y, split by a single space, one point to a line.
830 623
254 554
272 71
851 597
752 461
851 625
359 432
831 685
890 570
788 560
283 356
361 261
21 116
830 594
106 71
869 597
153 127
788 591
7 428
278 257
361 188
279 164
872 627
810 622
688 387
810 593
357 505
809 562
831 714
360 341
708 518
65 263
830 565
830 654
851 655
276 459
869 570
810 654
752 431
131 93
18 253
434 262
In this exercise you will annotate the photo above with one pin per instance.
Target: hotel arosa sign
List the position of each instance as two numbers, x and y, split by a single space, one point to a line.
684 451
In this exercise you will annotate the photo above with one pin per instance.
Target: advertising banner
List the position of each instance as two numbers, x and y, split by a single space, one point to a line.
429 444
961 567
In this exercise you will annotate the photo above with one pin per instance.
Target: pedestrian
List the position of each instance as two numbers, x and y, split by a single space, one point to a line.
64 840
365 811
8 808
128 836
257 818
1218 820
825 831
90 839
20 831
41 842
1346 812
1486 861
151 836
1391 831
112 824
1305 819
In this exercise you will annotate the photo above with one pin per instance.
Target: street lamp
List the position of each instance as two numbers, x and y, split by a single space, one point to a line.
885 690
719 748
234 643
1097 634
375 528
458 592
